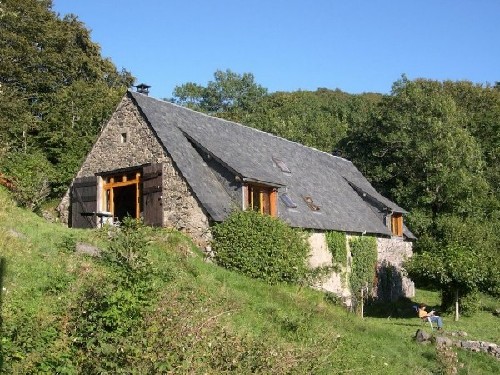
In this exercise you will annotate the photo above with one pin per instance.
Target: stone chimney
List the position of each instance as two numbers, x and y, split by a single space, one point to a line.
142 88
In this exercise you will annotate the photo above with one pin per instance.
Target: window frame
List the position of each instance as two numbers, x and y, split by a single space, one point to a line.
267 198
117 180
397 224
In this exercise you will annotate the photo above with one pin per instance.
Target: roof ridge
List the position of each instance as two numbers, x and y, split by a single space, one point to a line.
242 125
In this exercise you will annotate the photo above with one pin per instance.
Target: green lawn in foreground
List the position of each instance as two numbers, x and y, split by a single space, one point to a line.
204 318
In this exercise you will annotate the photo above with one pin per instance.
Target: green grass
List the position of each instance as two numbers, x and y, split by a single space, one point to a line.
203 319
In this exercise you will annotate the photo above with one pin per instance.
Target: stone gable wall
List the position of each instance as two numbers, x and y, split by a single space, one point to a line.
181 209
109 153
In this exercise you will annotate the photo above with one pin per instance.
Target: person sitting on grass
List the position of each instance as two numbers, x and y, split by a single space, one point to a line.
423 314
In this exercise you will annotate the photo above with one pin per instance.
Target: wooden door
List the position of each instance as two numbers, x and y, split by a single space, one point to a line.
83 206
152 187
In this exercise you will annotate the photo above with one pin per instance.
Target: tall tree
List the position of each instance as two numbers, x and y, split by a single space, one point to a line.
57 89
421 149
416 149
314 118
481 103
229 95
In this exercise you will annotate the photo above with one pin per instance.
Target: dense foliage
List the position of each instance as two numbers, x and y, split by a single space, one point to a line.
31 175
337 245
56 90
229 95
107 309
433 148
261 247
363 267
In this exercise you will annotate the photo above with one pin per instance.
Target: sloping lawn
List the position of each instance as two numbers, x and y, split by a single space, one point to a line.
199 318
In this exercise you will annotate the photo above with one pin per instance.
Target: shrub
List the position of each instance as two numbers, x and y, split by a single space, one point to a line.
31 174
261 247
128 253
108 309
469 303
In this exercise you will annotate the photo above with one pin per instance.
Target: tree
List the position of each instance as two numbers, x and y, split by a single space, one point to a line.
481 103
42 59
420 149
316 119
228 96
460 260
416 149
31 175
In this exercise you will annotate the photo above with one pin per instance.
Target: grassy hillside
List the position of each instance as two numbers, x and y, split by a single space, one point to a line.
67 312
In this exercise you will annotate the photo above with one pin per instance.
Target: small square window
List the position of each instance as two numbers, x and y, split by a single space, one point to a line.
123 138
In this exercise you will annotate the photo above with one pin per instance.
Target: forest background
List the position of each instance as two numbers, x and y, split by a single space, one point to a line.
431 146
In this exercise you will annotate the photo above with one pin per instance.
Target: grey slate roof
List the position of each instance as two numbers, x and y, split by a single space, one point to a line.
333 183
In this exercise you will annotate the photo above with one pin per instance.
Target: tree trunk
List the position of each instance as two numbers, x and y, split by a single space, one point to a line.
456 305
362 302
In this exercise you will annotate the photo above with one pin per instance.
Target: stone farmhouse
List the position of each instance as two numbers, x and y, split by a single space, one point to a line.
179 168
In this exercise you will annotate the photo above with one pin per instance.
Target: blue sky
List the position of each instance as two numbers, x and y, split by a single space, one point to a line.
356 46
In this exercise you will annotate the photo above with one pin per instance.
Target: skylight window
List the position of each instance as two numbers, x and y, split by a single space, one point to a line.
310 203
287 200
281 165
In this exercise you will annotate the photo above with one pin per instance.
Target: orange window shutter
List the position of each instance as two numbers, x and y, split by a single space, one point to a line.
273 203
397 224
111 201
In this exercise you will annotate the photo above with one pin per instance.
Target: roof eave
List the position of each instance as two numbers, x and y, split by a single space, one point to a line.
257 181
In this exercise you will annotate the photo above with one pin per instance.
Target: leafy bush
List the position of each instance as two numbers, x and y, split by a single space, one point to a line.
109 308
31 173
128 253
470 304
261 247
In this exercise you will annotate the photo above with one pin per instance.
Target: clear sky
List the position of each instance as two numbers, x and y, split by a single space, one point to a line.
354 45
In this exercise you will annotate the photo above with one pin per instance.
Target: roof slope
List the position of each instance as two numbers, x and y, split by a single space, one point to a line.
249 153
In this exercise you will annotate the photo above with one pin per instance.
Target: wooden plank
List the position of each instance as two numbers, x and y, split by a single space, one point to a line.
83 200
152 189
274 202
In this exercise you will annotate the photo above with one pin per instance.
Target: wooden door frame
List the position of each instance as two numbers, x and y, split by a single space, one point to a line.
118 179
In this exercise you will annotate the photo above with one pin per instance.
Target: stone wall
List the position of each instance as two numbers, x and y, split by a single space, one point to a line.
181 210
321 256
127 141
110 152
392 252
392 280
450 340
